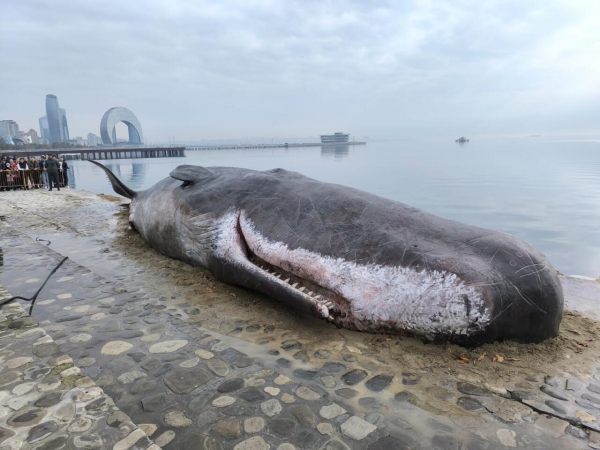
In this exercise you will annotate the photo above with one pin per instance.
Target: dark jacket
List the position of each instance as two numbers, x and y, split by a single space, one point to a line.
33 164
23 165
43 164
52 165
65 166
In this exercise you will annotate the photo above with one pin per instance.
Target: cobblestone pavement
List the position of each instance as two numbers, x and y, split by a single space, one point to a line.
248 384
46 402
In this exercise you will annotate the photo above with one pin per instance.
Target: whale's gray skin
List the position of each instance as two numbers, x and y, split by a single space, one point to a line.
361 261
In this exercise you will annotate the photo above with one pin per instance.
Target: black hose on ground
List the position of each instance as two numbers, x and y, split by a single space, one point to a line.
43 240
34 298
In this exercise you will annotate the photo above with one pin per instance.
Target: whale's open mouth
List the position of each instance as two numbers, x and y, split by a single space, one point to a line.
368 298
331 306
313 292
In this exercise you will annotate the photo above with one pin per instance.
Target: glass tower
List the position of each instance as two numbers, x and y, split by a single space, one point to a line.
64 128
53 116
44 130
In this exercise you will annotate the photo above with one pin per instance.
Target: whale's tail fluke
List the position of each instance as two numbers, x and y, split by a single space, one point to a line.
118 186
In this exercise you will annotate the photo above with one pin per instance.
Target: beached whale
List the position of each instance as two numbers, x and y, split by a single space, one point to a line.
358 260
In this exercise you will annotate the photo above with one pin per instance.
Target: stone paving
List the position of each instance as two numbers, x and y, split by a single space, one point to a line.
46 402
188 386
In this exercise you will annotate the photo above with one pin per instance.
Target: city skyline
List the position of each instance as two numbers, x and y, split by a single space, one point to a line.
250 69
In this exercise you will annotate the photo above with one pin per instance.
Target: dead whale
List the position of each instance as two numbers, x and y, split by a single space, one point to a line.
358 260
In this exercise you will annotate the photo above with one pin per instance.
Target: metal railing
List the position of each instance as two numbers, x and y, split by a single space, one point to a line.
28 179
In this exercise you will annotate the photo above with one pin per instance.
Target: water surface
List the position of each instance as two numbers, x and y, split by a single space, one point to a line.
545 191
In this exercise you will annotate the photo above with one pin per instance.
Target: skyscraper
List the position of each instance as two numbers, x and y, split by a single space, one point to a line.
44 130
64 128
9 127
54 116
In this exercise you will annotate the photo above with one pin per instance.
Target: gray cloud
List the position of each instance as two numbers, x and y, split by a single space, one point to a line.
202 70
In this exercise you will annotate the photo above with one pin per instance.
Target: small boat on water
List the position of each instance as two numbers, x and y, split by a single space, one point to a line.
462 140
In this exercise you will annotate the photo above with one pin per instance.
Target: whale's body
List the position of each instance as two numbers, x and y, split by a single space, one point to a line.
361 261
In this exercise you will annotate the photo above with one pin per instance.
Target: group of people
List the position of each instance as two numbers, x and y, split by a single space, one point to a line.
21 173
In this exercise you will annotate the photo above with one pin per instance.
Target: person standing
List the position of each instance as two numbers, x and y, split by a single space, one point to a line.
52 167
3 174
64 167
34 172
44 170
23 168
15 174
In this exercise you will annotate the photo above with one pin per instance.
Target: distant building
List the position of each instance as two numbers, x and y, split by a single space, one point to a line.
80 141
56 117
33 136
24 137
7 139
44 130
53 115
119 114
9 127
64 128
14 128
335 138
4 130
93 140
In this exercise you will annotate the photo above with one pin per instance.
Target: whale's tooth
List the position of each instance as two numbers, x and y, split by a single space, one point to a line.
329 304
294 285
302 289
279 275
310 293
286 280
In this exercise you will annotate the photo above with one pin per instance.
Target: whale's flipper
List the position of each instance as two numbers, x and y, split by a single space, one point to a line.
118 186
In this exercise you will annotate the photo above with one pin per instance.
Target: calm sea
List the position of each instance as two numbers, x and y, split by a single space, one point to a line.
546 191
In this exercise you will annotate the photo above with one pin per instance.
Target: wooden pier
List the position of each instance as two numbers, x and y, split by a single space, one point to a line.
286 145
104 153
119 153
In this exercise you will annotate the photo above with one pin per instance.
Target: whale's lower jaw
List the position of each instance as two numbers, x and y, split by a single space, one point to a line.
335 306
339 310
340 313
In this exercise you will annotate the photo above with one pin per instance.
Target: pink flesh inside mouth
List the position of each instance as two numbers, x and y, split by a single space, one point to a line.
332 306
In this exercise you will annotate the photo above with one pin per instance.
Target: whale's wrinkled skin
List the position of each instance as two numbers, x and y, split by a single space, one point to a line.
358 260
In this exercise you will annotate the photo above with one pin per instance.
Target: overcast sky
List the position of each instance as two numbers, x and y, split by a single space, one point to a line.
251 68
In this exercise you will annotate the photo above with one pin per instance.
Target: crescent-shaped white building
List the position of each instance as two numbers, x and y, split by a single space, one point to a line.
119 114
